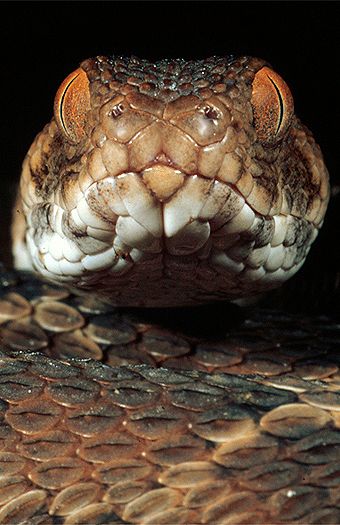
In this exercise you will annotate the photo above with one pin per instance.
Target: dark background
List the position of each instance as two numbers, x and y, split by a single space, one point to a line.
42 42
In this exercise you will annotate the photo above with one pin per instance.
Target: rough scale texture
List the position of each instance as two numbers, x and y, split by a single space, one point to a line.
169 194
242 426
163 190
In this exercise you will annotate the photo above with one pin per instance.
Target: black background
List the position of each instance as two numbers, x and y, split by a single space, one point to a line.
42 42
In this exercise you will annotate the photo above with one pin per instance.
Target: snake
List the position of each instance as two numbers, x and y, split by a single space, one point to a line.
133 387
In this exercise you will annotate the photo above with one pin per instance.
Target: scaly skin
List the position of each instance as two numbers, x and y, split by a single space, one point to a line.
172 188
239 425
218 420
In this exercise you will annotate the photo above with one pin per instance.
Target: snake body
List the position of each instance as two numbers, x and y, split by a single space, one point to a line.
167 184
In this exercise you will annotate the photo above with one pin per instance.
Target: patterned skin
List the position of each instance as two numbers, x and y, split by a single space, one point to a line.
239 425
166 184
171 183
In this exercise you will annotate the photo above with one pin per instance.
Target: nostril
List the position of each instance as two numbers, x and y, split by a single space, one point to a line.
210 113
117 110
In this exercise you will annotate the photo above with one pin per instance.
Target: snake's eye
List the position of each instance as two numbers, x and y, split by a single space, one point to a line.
272 104
71 104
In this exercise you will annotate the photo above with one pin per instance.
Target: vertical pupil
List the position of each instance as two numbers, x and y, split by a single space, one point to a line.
62 102
281 105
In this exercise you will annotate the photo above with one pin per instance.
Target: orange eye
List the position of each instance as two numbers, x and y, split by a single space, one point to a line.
71 104
273 105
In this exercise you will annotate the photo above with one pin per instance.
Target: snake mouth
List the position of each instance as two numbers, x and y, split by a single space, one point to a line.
164 229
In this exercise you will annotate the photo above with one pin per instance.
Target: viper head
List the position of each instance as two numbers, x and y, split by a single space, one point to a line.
197 174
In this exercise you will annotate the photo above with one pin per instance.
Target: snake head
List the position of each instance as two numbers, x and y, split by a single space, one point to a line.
173 183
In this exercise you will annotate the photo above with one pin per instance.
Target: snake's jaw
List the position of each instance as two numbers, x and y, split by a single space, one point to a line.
171 195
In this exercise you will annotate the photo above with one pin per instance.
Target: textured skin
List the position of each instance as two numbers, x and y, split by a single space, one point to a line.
170 196
194 417
242 426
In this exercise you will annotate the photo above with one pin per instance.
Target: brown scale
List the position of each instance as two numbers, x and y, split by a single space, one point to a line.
178 417
226 123
241 427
